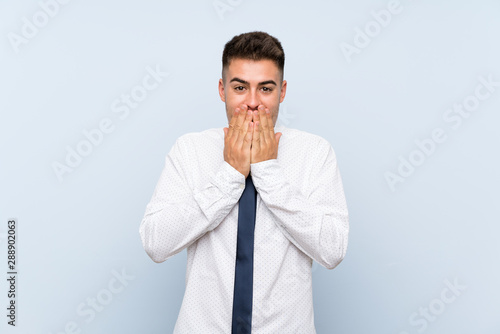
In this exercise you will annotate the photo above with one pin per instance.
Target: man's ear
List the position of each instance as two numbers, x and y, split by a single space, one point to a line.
221 91
283 91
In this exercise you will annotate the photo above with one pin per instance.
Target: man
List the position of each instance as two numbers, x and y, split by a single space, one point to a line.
300 212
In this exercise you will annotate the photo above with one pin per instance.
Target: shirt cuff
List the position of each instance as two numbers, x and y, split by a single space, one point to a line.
267 175
229 180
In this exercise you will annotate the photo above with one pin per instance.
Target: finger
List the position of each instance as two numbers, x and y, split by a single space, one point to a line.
256 139
249 136
242 138
232 122
270 125
278 136
241 120
256 116
264 130
237 129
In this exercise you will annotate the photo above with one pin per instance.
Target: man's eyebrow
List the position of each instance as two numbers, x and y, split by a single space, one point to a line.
247 83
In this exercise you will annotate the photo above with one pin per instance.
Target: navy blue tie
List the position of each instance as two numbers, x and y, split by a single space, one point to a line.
243 277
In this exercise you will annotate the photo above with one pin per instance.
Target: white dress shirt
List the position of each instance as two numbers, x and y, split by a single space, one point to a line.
301 216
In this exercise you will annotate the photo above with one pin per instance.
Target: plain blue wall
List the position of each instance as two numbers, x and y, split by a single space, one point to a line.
382 81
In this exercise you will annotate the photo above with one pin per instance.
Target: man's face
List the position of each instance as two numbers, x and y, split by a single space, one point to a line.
252 83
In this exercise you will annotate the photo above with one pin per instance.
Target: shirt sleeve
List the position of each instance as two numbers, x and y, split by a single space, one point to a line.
177 215
315 221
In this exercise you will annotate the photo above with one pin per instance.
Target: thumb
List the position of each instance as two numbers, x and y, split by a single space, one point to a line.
278 136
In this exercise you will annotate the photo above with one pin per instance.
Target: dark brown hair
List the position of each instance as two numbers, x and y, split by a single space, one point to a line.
256 45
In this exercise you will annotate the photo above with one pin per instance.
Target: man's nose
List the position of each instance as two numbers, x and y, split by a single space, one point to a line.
253 101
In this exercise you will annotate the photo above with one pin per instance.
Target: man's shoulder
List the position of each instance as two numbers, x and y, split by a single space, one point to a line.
311 139
200 137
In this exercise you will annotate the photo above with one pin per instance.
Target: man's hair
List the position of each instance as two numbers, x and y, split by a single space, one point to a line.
256 45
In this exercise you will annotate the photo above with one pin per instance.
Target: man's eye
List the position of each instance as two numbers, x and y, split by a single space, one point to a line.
238 88
267 89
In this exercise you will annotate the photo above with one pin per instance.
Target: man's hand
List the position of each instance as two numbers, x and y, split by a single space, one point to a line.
238 140
264 140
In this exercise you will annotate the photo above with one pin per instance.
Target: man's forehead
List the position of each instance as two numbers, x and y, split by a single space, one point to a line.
252 70
243 81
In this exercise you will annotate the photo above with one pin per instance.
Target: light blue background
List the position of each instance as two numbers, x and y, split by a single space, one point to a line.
440 224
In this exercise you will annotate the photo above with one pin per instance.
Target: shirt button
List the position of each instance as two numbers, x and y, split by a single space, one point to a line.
242 185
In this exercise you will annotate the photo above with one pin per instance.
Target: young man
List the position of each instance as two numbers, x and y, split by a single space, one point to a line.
249 265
